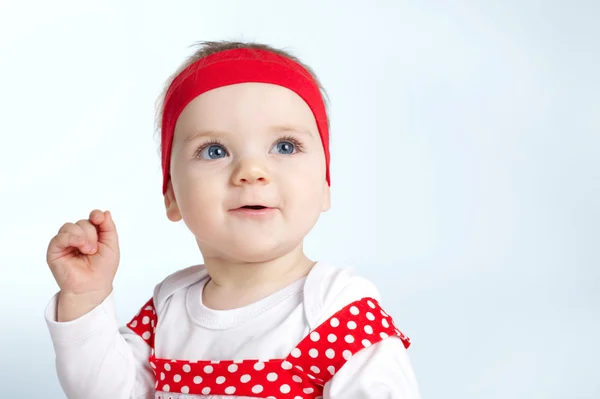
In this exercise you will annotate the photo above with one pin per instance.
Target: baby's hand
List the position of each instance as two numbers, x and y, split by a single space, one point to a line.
84 258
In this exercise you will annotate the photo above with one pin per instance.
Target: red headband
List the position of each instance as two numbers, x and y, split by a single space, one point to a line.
238 66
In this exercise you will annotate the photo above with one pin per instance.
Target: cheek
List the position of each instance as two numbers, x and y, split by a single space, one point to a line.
304 191
199 195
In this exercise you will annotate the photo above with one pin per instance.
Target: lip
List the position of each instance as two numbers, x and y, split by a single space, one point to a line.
254 213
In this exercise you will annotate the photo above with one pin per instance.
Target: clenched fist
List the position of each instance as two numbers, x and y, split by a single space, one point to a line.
84 258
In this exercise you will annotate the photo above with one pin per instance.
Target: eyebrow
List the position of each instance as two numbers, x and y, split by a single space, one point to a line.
203 133
289 128
273 129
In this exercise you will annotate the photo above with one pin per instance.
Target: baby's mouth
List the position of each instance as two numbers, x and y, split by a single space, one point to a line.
255 207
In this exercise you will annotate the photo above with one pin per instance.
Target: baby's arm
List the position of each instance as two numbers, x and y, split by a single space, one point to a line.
381 371
97 358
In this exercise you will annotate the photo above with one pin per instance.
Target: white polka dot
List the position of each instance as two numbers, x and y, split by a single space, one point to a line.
168 367
185 389
383 335
385 323
330 353
215 361
230 390
259 366
370 316
331 370
297 378
232 368
299 368
257 389
146 335
187 368
148 308
354 310
134 323
272 377
334 322
296 353
313 353
162 376
205 391
166 388
371 304
286 365
285 388
351 325
220 380
145 320
176 378
153 365
368 329
208 369
331 338
347 354
156 385
315 369
349 338
152 323
366 343
314 336
384 314
245 378
197 379
312 377
308 390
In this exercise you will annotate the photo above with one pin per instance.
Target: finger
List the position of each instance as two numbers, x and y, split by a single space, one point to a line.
72 228
107 231
91 235
63 241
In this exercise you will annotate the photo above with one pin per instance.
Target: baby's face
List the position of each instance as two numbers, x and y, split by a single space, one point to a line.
244 145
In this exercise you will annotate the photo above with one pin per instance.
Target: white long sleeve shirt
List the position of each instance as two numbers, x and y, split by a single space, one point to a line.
324 336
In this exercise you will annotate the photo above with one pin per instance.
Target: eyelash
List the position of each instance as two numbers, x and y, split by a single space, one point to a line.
205 145
297 144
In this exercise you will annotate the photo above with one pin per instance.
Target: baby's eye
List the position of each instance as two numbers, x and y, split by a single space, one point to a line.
285 147
213 151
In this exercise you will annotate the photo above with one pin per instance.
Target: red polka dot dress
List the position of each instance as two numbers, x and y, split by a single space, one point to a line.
302 374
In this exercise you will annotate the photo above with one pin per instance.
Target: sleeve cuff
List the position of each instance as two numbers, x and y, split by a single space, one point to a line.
102 317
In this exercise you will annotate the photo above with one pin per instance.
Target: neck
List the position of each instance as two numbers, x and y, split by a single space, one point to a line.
234 284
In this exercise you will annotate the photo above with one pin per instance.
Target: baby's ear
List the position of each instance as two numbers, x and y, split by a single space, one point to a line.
171 204
326 197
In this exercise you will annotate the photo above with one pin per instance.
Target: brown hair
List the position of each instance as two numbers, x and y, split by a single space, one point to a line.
207 48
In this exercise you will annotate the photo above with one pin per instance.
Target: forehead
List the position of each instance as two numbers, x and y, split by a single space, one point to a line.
246 106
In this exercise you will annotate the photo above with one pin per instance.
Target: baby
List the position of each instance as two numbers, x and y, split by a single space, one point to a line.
245 158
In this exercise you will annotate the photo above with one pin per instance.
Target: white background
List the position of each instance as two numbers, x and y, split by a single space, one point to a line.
465 170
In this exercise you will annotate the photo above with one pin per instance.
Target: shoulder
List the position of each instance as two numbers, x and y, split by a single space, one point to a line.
330 288
175 282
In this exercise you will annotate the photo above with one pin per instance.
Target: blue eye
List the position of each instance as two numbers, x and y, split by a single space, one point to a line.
285 147
213 151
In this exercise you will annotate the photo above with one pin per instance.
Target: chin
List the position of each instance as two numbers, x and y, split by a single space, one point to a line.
256 250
